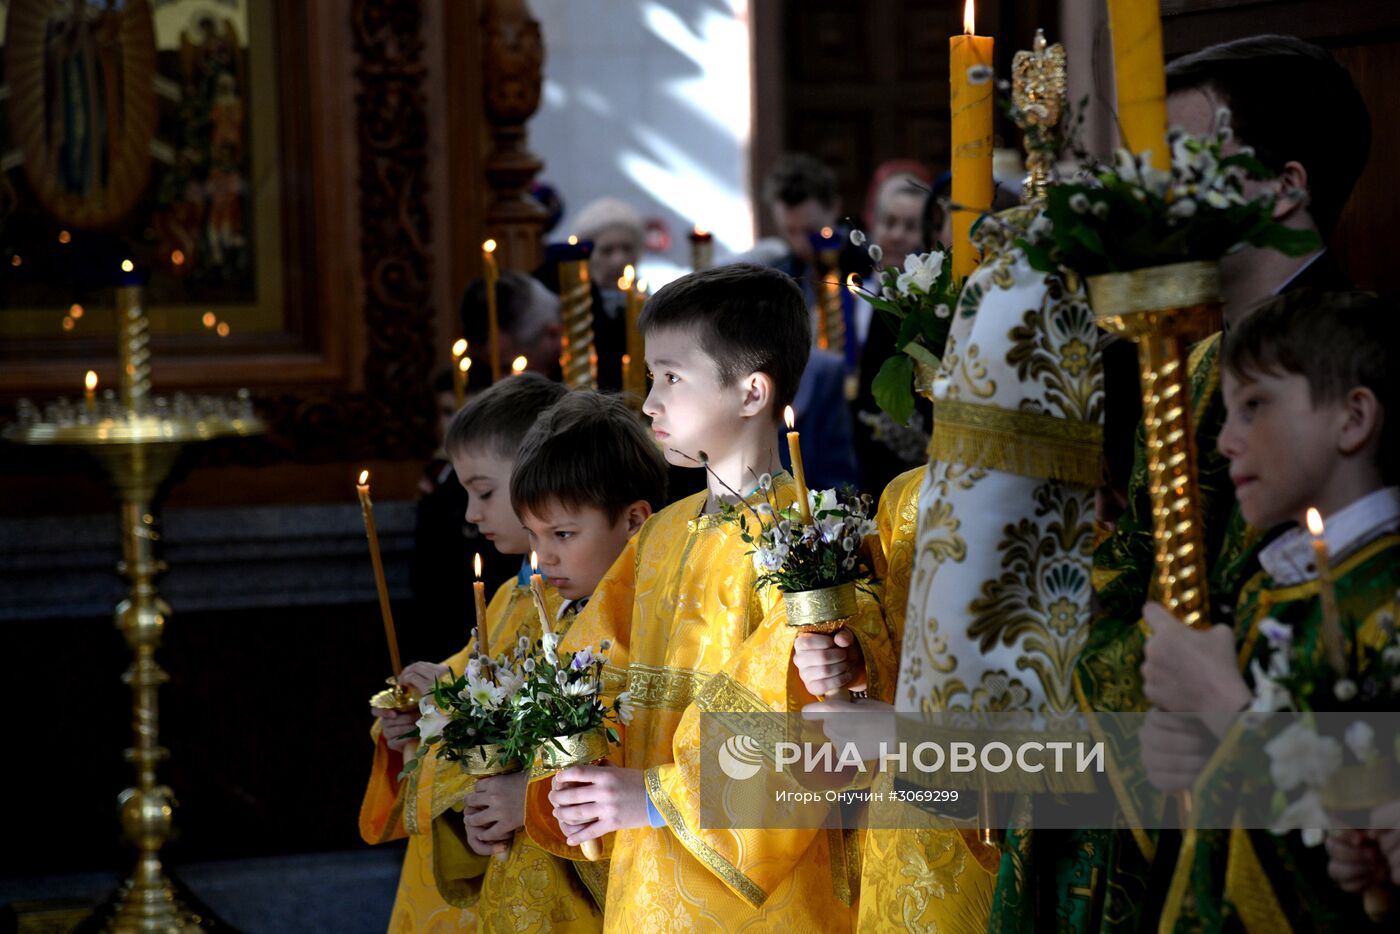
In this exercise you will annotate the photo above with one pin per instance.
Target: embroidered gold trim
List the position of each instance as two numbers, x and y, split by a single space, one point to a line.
615 680
1135 823
1023 443
662 687
594 877
745 887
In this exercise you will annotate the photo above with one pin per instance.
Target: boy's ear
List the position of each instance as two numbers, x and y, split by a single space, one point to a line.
635 515
758 393
1292 191
1363 420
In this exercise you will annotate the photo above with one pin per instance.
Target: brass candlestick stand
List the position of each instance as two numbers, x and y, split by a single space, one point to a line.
577 358
137 440
1164 309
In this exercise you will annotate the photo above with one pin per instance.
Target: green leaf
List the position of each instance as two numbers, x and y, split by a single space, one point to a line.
922 354
893 388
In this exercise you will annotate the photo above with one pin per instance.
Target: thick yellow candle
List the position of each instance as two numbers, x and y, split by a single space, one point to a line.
90 391
798 474
634 381
367 509
479 597
1140 77
459 372
702 248
537 591
1327 596
971 106
491 273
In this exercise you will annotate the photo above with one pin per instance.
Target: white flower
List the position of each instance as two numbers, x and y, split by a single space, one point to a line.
765 482
857 236
485 694
1360 739
1306 814
822 501
550 642
510 682
942 310
1277 633
1391 655
604 645
625 710
1298 756
1344 689
431 721
769 559
1100 209
529 666
581 688
582 658
1269 696
877 253
1040 228
1079 202
888 294
921 271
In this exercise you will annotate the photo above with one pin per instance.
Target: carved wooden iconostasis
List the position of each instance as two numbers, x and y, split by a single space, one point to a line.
310 177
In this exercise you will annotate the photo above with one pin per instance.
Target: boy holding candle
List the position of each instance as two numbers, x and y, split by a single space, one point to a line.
1308 381
692 633
481 442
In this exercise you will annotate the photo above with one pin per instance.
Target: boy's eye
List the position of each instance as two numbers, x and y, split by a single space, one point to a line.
563 536
672 378
484 496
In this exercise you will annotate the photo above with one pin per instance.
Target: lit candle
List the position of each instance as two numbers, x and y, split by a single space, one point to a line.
518 365
1327 595
1140 77
798 474
492 274
459 372
90 391
971 106
626 371
479 596
367 509
633 382
537 592
702 248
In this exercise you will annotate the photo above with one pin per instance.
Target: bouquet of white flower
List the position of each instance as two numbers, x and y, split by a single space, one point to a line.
472 717
1131 216
562 697
917 304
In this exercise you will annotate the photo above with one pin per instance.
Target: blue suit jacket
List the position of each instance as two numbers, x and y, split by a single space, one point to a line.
824 421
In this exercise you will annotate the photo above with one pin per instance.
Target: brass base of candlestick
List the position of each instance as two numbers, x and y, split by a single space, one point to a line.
821 611
396 697
1163 310
138 451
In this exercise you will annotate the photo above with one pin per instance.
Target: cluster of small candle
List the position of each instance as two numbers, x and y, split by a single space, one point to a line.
63 412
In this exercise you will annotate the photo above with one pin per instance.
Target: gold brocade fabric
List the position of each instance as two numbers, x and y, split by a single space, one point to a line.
897 520
529 891
684 615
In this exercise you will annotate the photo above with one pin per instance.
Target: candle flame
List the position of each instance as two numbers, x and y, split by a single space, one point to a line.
534 562
701 231
128 265
222 329
629 275
464 364
788 418
364 478
573 240
460 347
826 233
476 565
489 246
90 380
627 359
853 282
968 18
1314 521
519 364
642 286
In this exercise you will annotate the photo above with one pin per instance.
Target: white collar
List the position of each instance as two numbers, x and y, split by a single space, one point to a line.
1290 558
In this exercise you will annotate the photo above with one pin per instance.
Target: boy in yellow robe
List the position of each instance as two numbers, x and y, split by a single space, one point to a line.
481 442
690 632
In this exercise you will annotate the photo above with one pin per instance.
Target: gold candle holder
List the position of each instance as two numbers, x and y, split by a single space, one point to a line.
576 358
824 610
138 446
1039 81
831 320
1164 309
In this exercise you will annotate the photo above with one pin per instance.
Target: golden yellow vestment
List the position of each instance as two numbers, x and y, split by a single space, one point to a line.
444 885
691 632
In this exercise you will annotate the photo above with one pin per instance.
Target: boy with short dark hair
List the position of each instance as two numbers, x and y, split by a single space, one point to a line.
1309 382
690 632
481 441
